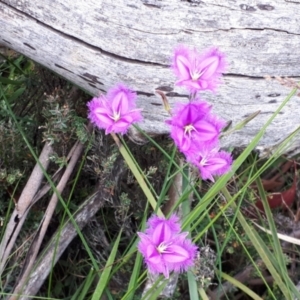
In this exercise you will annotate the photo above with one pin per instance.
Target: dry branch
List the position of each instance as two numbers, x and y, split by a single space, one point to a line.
37 241
57 245
21 210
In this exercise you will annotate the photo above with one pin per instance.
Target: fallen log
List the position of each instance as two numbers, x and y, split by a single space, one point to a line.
96 44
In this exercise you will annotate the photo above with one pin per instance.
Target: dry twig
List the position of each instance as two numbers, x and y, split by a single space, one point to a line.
21 210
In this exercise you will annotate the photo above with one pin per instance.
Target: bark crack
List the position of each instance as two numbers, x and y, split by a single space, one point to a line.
84 43
246 28
224 6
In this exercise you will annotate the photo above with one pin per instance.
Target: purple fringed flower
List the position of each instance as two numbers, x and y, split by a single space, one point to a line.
116 111
192 123
198 71
211 162
164 248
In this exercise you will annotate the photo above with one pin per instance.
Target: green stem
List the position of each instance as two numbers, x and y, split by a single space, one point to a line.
186 208
202 294
185 185
138 176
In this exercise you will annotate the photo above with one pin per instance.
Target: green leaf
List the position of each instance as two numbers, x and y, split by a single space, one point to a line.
85 286
16 94
103 281
193 289
241 286
10 81
156 289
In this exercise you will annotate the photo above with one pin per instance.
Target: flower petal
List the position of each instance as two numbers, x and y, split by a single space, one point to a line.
209 67
205 131
183 67
152 255
178 254
119 103
181 62
161 233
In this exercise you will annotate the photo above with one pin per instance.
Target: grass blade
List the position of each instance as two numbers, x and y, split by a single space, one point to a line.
103 281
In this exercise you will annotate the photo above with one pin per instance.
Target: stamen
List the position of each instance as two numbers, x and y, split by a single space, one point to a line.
195 75
195 72
188 129
163 247
203 161
116 116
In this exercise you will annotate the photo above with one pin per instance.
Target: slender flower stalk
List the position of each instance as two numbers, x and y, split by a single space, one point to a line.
164 248
198 71
116 111
138 176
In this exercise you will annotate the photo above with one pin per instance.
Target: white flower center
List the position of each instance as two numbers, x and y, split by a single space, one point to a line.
203 161
195 75
188 129
116 116
163 248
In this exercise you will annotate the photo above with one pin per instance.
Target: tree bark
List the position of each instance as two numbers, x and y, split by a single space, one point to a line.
96 44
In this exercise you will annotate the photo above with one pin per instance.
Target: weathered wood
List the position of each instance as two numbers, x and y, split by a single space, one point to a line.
96 44
57 245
